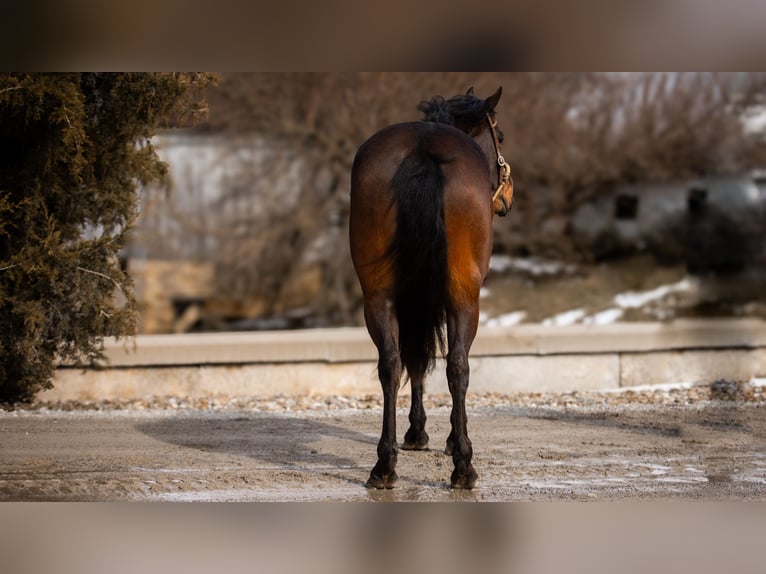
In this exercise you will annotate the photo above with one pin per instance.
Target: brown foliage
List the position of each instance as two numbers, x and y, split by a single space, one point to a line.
568 138
73 148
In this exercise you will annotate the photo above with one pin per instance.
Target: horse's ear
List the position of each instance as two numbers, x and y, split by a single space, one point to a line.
469 92
491 101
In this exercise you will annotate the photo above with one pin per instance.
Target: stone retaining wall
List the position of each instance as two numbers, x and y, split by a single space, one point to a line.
342 361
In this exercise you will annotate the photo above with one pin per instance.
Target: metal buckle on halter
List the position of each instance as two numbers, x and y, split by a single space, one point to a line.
504 171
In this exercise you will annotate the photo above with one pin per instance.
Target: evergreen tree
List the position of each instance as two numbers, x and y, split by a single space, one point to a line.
74 149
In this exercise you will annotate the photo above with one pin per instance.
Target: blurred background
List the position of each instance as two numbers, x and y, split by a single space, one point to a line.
638 197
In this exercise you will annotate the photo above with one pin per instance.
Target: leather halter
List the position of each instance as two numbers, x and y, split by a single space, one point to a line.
503 169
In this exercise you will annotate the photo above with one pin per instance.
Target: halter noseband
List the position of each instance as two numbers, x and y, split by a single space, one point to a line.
503 169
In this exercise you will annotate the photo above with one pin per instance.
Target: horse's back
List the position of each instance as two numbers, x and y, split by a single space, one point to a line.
466 197
381 155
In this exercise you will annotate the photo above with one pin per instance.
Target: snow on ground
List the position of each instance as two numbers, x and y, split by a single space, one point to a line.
603 317
621 302
627 300
634 299
565 318
506 320
532 265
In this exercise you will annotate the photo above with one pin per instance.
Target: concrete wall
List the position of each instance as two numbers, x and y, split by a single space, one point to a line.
342 361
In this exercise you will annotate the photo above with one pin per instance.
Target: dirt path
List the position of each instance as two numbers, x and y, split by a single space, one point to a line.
715 449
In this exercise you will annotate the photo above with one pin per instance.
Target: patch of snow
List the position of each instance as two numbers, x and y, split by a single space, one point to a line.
661 387
634 299
483 293
565 318
654 468
532 265
682 480
603 317
499 263
506 320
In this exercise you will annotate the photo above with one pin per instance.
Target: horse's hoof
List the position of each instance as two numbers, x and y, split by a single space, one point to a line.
464 481
380 482
415 446
415 441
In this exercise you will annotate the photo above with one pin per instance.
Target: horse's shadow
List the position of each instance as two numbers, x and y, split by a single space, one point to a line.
276 442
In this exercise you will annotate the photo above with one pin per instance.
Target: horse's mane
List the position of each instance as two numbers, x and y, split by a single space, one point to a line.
458 110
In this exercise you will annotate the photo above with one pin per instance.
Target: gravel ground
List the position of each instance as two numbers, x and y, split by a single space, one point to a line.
674 394
669 442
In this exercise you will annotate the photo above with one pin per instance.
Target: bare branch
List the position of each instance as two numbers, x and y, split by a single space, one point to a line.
569 138
100 275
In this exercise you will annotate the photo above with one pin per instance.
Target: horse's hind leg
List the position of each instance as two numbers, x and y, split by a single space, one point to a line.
416 437
384 331
461 330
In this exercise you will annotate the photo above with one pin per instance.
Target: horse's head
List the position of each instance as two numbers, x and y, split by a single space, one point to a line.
476 117
490 137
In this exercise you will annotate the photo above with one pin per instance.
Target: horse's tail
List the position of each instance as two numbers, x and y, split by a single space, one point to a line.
419 253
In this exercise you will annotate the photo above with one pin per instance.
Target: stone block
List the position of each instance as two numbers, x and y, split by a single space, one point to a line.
690 366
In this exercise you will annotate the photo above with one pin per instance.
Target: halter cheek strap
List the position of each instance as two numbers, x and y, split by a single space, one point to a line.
503 169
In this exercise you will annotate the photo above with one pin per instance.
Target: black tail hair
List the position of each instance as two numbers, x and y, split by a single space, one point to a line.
419 252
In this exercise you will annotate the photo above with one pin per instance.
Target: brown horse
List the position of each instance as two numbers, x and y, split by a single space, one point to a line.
422 199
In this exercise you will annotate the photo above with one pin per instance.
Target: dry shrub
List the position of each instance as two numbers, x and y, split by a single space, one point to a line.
569 138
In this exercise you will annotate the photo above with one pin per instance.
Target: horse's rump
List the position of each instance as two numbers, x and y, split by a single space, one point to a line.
412 264
419 255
